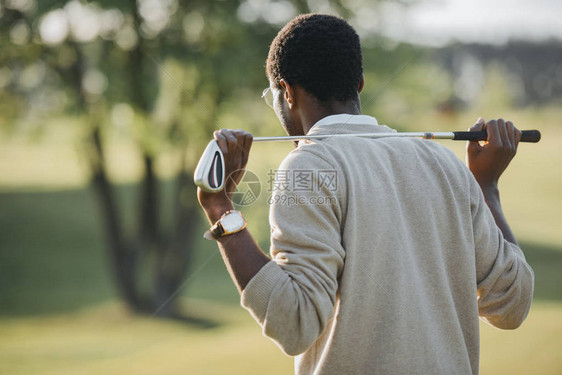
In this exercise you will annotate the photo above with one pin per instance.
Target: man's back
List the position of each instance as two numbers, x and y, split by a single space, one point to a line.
409 266
410 238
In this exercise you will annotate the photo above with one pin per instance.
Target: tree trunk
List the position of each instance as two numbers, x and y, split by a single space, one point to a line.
173 262
123 256
149 232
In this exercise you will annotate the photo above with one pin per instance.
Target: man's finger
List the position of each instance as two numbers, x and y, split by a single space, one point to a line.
241 136
247 139
232 141
516 133
221 140
494 137
502 129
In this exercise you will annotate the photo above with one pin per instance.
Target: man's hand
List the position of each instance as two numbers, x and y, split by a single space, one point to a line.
241 254
487 162
235 146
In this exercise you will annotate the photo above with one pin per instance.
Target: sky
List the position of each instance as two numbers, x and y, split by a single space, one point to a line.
437 22
430 22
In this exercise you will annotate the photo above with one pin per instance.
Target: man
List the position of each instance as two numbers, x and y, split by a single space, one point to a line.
385 267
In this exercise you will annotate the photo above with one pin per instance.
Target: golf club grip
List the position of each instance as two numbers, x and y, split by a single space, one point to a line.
526 136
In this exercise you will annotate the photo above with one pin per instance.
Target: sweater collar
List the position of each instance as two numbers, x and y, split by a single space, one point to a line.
347 124
345 118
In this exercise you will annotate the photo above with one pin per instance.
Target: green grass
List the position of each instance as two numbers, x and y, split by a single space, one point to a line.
106 340
533 348
52 255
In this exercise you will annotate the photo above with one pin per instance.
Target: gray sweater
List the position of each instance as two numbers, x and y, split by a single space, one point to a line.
384 255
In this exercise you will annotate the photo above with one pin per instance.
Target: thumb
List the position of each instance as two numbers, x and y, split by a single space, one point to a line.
478 125
474 146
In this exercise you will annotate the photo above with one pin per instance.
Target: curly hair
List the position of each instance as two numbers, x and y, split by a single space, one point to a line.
319 52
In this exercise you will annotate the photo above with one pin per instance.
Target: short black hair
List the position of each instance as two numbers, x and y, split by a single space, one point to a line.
319 52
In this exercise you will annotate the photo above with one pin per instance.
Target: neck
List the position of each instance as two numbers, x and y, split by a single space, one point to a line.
318 112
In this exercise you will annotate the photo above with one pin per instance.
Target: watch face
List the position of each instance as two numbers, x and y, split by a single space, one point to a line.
232 222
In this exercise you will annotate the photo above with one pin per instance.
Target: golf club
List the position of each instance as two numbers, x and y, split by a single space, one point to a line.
210 172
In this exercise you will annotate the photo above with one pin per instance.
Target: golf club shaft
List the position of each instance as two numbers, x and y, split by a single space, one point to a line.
209 174
527 136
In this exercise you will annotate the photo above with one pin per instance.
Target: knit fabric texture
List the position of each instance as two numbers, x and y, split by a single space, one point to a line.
384 255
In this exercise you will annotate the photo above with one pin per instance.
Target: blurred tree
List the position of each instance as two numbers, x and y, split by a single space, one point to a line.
94 55
170 65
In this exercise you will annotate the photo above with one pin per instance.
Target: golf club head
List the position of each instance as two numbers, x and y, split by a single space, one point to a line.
209 174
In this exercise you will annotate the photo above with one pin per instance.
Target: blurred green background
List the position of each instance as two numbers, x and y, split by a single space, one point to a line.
105 108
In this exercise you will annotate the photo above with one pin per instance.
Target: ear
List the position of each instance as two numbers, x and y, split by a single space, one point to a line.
289 95
361 84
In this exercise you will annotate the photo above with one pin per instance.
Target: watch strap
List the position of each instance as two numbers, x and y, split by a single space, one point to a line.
217 230
214 232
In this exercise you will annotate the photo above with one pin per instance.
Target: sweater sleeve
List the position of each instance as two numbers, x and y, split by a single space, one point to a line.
505 281
293 297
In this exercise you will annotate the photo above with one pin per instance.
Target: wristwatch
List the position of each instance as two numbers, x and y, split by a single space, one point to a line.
230 222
